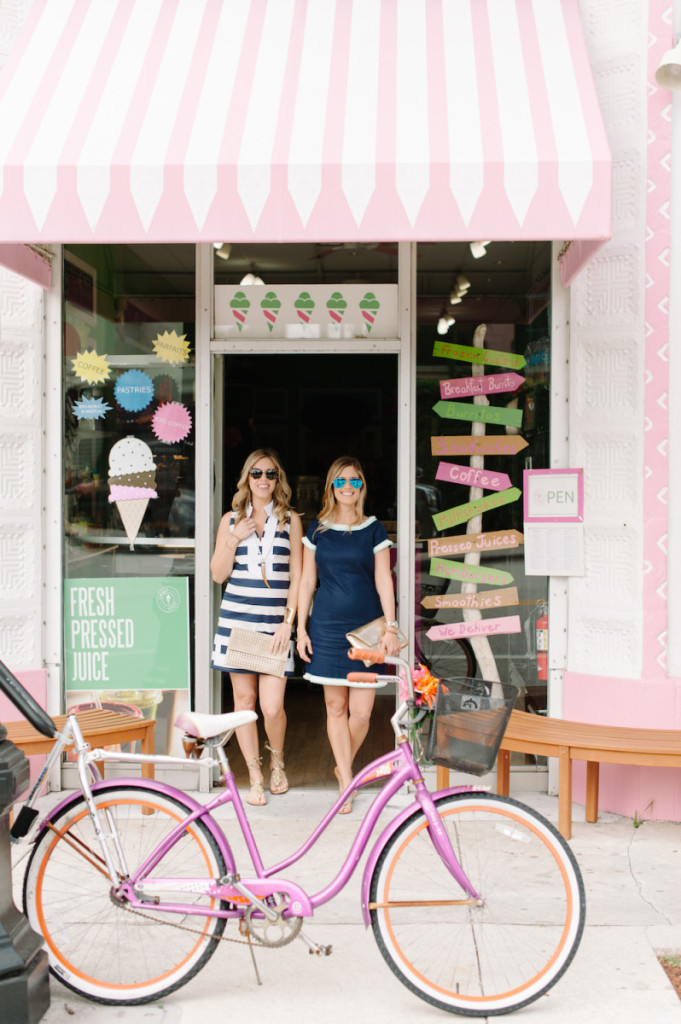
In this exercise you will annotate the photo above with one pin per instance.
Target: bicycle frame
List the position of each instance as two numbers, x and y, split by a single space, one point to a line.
397 768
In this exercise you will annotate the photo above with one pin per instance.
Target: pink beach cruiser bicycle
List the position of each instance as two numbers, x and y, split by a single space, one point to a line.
476 902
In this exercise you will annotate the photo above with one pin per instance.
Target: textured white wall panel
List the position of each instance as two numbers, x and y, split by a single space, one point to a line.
607 369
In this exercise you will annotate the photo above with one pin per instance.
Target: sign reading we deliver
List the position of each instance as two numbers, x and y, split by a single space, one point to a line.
126 633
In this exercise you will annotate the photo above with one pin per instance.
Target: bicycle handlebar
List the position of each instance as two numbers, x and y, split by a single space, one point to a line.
362 677
359 654
25 703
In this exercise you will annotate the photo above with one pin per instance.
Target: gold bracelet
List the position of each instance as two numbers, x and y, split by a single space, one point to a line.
289 616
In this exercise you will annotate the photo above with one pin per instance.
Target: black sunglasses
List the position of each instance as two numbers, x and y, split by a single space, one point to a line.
271 474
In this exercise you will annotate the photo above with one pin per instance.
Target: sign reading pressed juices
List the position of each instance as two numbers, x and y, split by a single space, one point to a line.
123 633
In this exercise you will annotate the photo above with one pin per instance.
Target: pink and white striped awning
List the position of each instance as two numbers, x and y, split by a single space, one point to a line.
301 120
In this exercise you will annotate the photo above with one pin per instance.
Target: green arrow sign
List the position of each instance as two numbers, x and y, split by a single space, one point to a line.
468 573
462 513
479 413
468 354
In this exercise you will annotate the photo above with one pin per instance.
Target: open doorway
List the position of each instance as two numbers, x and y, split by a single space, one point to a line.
311 408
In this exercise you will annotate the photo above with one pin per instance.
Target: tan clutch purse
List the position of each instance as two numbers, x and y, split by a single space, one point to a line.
250 651
369 636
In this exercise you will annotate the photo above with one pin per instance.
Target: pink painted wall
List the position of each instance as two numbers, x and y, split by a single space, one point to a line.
654 701
35 681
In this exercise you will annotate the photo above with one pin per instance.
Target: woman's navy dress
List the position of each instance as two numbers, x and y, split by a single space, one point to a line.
346 597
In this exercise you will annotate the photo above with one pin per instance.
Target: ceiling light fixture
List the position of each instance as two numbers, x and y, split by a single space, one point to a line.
250 279
668 73
478 249
223 250
444 323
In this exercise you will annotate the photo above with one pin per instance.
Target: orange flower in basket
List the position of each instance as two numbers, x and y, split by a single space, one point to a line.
426 685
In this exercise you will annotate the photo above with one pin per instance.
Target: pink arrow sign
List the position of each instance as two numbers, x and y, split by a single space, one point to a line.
478 627
490 479
493 384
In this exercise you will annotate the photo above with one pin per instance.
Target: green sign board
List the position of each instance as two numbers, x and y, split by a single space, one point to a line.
479 413
483 356
127 633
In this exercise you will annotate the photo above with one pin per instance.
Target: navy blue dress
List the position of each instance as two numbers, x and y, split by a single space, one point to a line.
346 597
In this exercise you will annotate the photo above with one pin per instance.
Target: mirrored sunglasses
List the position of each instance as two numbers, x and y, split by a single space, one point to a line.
340 481
271 474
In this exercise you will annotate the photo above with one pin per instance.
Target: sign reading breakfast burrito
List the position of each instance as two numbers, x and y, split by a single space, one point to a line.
123 632
311 311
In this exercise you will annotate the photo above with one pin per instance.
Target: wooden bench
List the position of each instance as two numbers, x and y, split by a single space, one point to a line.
100 729
580 741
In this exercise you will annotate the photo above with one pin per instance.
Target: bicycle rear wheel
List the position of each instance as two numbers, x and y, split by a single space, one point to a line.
96 945
478 960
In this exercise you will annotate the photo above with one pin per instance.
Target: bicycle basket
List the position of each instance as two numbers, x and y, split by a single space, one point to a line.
469 722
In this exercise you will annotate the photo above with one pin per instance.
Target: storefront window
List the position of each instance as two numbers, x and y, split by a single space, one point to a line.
128 372
463 579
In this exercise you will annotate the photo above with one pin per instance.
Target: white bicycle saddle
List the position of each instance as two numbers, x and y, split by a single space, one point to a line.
206 727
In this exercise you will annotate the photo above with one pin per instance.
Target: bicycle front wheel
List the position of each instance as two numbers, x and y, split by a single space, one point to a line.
486 958
96 944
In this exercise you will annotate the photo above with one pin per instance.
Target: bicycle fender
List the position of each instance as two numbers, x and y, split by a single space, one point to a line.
158 787
390 830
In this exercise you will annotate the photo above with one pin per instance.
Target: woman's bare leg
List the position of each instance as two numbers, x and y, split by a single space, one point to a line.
361 704
244 685
272 689
338 731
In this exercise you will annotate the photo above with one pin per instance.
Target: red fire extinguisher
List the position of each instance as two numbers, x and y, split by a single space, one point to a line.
542 628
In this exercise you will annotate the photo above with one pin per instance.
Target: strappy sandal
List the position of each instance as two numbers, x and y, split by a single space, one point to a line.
256 794
278 780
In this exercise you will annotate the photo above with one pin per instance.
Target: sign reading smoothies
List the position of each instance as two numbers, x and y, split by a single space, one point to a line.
123 633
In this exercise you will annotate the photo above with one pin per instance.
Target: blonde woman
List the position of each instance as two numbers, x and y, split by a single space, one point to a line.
258 551
348 554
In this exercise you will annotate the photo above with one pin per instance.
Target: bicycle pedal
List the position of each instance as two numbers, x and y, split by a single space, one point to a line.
315 948
320 950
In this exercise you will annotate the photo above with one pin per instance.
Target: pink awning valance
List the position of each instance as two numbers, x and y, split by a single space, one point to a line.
300 120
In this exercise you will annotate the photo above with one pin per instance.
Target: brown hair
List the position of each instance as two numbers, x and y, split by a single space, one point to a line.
281 496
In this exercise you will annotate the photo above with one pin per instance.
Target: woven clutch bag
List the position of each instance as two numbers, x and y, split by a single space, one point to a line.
250 651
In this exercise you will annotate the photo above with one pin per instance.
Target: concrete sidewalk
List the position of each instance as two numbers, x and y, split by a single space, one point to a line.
633 886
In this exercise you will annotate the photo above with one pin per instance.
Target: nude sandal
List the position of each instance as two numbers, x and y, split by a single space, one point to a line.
256 794
278 780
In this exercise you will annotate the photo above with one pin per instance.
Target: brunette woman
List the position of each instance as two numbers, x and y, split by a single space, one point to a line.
348 554
258 551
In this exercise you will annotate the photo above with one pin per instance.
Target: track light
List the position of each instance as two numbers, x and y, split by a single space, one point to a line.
668 73
223 250
478 249
444 323
251 278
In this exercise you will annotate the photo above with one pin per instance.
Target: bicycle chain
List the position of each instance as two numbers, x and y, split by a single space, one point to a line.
194 931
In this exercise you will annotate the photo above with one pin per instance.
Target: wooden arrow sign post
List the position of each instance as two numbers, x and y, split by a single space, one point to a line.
476 446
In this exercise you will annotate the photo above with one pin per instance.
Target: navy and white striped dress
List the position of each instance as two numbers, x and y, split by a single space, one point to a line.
248 602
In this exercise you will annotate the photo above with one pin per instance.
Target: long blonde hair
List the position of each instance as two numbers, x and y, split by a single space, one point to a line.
281 496
327 513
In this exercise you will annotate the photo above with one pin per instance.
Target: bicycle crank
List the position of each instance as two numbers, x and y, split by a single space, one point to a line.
277 932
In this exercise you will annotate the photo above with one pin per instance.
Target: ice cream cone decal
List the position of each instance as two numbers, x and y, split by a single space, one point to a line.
132 482
304 305
240 306
270 306
369 307
336 307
